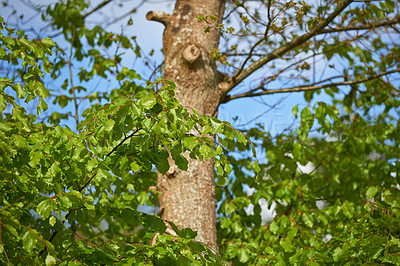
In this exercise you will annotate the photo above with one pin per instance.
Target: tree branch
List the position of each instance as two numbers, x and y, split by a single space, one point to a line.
228 85
306 87
390 22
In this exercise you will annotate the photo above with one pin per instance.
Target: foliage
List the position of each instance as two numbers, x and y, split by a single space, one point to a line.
71 196
346 210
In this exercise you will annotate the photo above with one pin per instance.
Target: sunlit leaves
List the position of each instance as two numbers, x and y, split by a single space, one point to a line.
60 182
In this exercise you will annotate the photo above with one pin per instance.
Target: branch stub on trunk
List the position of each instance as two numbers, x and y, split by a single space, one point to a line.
191 53
158 16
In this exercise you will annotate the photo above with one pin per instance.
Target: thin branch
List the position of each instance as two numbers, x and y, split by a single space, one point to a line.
307 87
269 20
133 10
228 85
127 137
265 37
99 6
87 182
1 243
248 57
390 22
231 11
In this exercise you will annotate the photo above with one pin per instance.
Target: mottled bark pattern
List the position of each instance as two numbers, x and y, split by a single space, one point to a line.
188 197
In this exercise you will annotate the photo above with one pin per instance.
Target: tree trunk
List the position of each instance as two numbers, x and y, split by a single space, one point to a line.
188 197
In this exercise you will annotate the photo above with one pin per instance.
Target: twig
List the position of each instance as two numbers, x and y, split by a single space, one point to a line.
119 144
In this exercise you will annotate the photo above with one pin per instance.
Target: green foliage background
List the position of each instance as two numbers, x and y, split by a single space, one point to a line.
70 196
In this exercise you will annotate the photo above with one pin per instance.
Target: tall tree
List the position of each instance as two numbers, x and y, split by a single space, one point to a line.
188 197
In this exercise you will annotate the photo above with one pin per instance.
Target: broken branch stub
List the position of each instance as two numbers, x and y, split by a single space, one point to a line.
158 16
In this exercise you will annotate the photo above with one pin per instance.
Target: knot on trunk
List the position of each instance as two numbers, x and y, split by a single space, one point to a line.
171 172
191 53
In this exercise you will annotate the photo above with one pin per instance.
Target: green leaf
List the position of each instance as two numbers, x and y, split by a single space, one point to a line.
44 208
371 192
190 142
21 93
221 180
256 167
185 233
12 230
308 219
243 255
130 215
3 103
295 110
28 241
216 125
19 141
48 42
163 166
286 244
135 167
273 227
142 198
52 220
47 67
205 150
153 223
149 101
54 170
180 161
348 209
41 90
240 137
65 202
42 106
109 125
50 260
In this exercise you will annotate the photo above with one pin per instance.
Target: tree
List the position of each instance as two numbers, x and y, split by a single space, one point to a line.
347 49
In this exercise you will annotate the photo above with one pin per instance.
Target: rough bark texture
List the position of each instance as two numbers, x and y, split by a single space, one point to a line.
188 197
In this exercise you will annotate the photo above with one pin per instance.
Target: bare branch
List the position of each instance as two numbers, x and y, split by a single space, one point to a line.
228 85
390 22
158 16
248 57
102 4
307 87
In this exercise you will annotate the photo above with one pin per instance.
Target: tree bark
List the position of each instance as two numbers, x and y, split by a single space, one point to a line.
188 197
